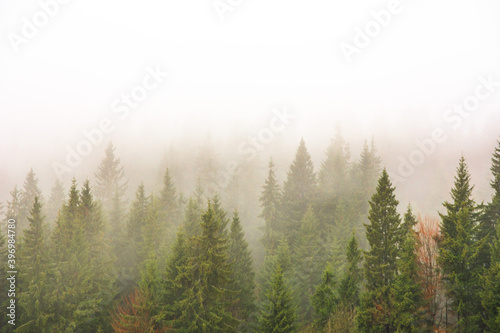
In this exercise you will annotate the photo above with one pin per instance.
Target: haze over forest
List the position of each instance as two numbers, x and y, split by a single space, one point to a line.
298 118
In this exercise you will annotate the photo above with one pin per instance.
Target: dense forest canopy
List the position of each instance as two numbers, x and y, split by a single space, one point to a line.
316 247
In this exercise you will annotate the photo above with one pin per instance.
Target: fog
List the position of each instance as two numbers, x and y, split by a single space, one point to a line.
228 77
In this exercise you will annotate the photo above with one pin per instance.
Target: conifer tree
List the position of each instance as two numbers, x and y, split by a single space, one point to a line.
242 279
279 313
282 258
351 279
168 201
375 313
409 313
270 203
83 269
491 216
334 170
111 186
192 218
204 307
309 259
29 192
175 282
35 276
73 274
13 205
136 221
299 190
459 250
325 298
490 294
367 171
409 221
55 202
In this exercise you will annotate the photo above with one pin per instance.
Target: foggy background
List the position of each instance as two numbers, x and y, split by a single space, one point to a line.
227 76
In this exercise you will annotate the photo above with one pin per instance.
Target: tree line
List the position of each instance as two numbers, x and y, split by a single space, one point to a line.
339 256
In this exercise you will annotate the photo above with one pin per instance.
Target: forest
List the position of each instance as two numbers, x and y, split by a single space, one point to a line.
334 252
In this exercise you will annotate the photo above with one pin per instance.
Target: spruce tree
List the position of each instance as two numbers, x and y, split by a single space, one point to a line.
136 221
491 215
380 269
168 204
366 171
490 294
334 170
409 313
55 202
349 286
204 306
110 184
29 192
282 258
83 274
459 250
175 281
299 190
325 298
279 313
409 221
270 203
13 205
192 218
242 279
35 277
309 259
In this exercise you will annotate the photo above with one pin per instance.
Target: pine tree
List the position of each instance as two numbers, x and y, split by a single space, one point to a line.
204 306
366 172
351 279
376 309
242 279
325 298
83 272
309 259
192 218
282 258
270 202
409 221
490 294
35 276
279 314
110 184
459 251
136 221
56 201
299 191
491 216
168 202
409 313
334 170
175 280
13 205
29 192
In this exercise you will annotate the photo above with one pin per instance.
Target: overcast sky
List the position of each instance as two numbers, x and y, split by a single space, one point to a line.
233 71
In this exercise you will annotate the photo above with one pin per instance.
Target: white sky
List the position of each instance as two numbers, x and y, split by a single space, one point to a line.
264 54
